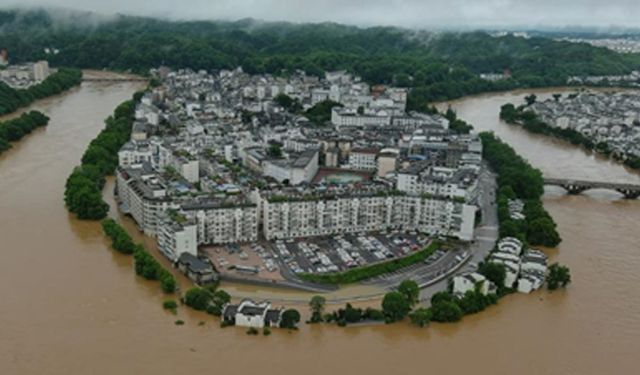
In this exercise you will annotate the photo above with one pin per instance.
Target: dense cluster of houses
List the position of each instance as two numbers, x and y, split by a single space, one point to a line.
220 158
525 270
630 79
613 118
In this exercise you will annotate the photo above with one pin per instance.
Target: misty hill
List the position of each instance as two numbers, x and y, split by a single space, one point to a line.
438 65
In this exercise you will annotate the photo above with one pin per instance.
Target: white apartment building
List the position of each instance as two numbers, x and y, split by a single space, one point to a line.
291 217
299 144
143 196
420 178
221 223
175 239
363 159
40 70
350 117
188 168
133 154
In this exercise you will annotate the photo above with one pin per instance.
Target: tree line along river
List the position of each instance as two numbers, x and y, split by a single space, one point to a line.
70 305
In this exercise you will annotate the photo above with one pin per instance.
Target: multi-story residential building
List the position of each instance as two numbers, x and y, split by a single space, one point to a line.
188 167
134 154
422 178
350 117
299 144
221 222
364 159
301 216
177 235
142 195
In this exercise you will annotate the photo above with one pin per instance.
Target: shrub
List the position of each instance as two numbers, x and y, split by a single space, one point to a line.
170 305
198 298
420 317
373 314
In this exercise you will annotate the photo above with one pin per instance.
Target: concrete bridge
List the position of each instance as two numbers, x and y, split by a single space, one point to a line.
630 191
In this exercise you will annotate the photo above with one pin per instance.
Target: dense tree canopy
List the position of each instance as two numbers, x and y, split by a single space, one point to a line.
436 66
518 179
12 99
13 130
145 264
83 191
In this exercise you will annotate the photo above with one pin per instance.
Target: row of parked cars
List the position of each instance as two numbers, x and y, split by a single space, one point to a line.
267 258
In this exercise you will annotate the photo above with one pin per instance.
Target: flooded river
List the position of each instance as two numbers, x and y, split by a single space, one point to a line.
69 305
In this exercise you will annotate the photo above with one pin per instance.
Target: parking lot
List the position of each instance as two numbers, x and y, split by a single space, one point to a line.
340 253
250 260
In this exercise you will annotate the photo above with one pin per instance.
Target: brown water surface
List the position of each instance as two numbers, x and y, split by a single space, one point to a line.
71 306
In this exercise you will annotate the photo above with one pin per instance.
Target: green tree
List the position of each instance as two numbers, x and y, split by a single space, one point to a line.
275 150
442 297
446 311
472 302
530 99
559 276
290 319
316 304
218 300
198 298
410 290
542 231
320 113
395 306
170 305
494 272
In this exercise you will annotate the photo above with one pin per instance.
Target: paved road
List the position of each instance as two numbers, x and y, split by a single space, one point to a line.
486 233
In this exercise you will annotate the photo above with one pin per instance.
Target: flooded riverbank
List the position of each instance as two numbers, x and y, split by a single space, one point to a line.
72 306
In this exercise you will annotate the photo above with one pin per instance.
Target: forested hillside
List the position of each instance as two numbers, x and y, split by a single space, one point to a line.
438 65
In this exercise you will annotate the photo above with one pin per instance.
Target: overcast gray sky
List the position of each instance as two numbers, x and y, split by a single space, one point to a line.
407 13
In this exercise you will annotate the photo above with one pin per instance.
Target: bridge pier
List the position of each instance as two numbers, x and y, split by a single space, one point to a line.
574 189
629 193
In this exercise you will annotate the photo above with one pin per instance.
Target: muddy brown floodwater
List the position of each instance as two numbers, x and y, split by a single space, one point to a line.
69 305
